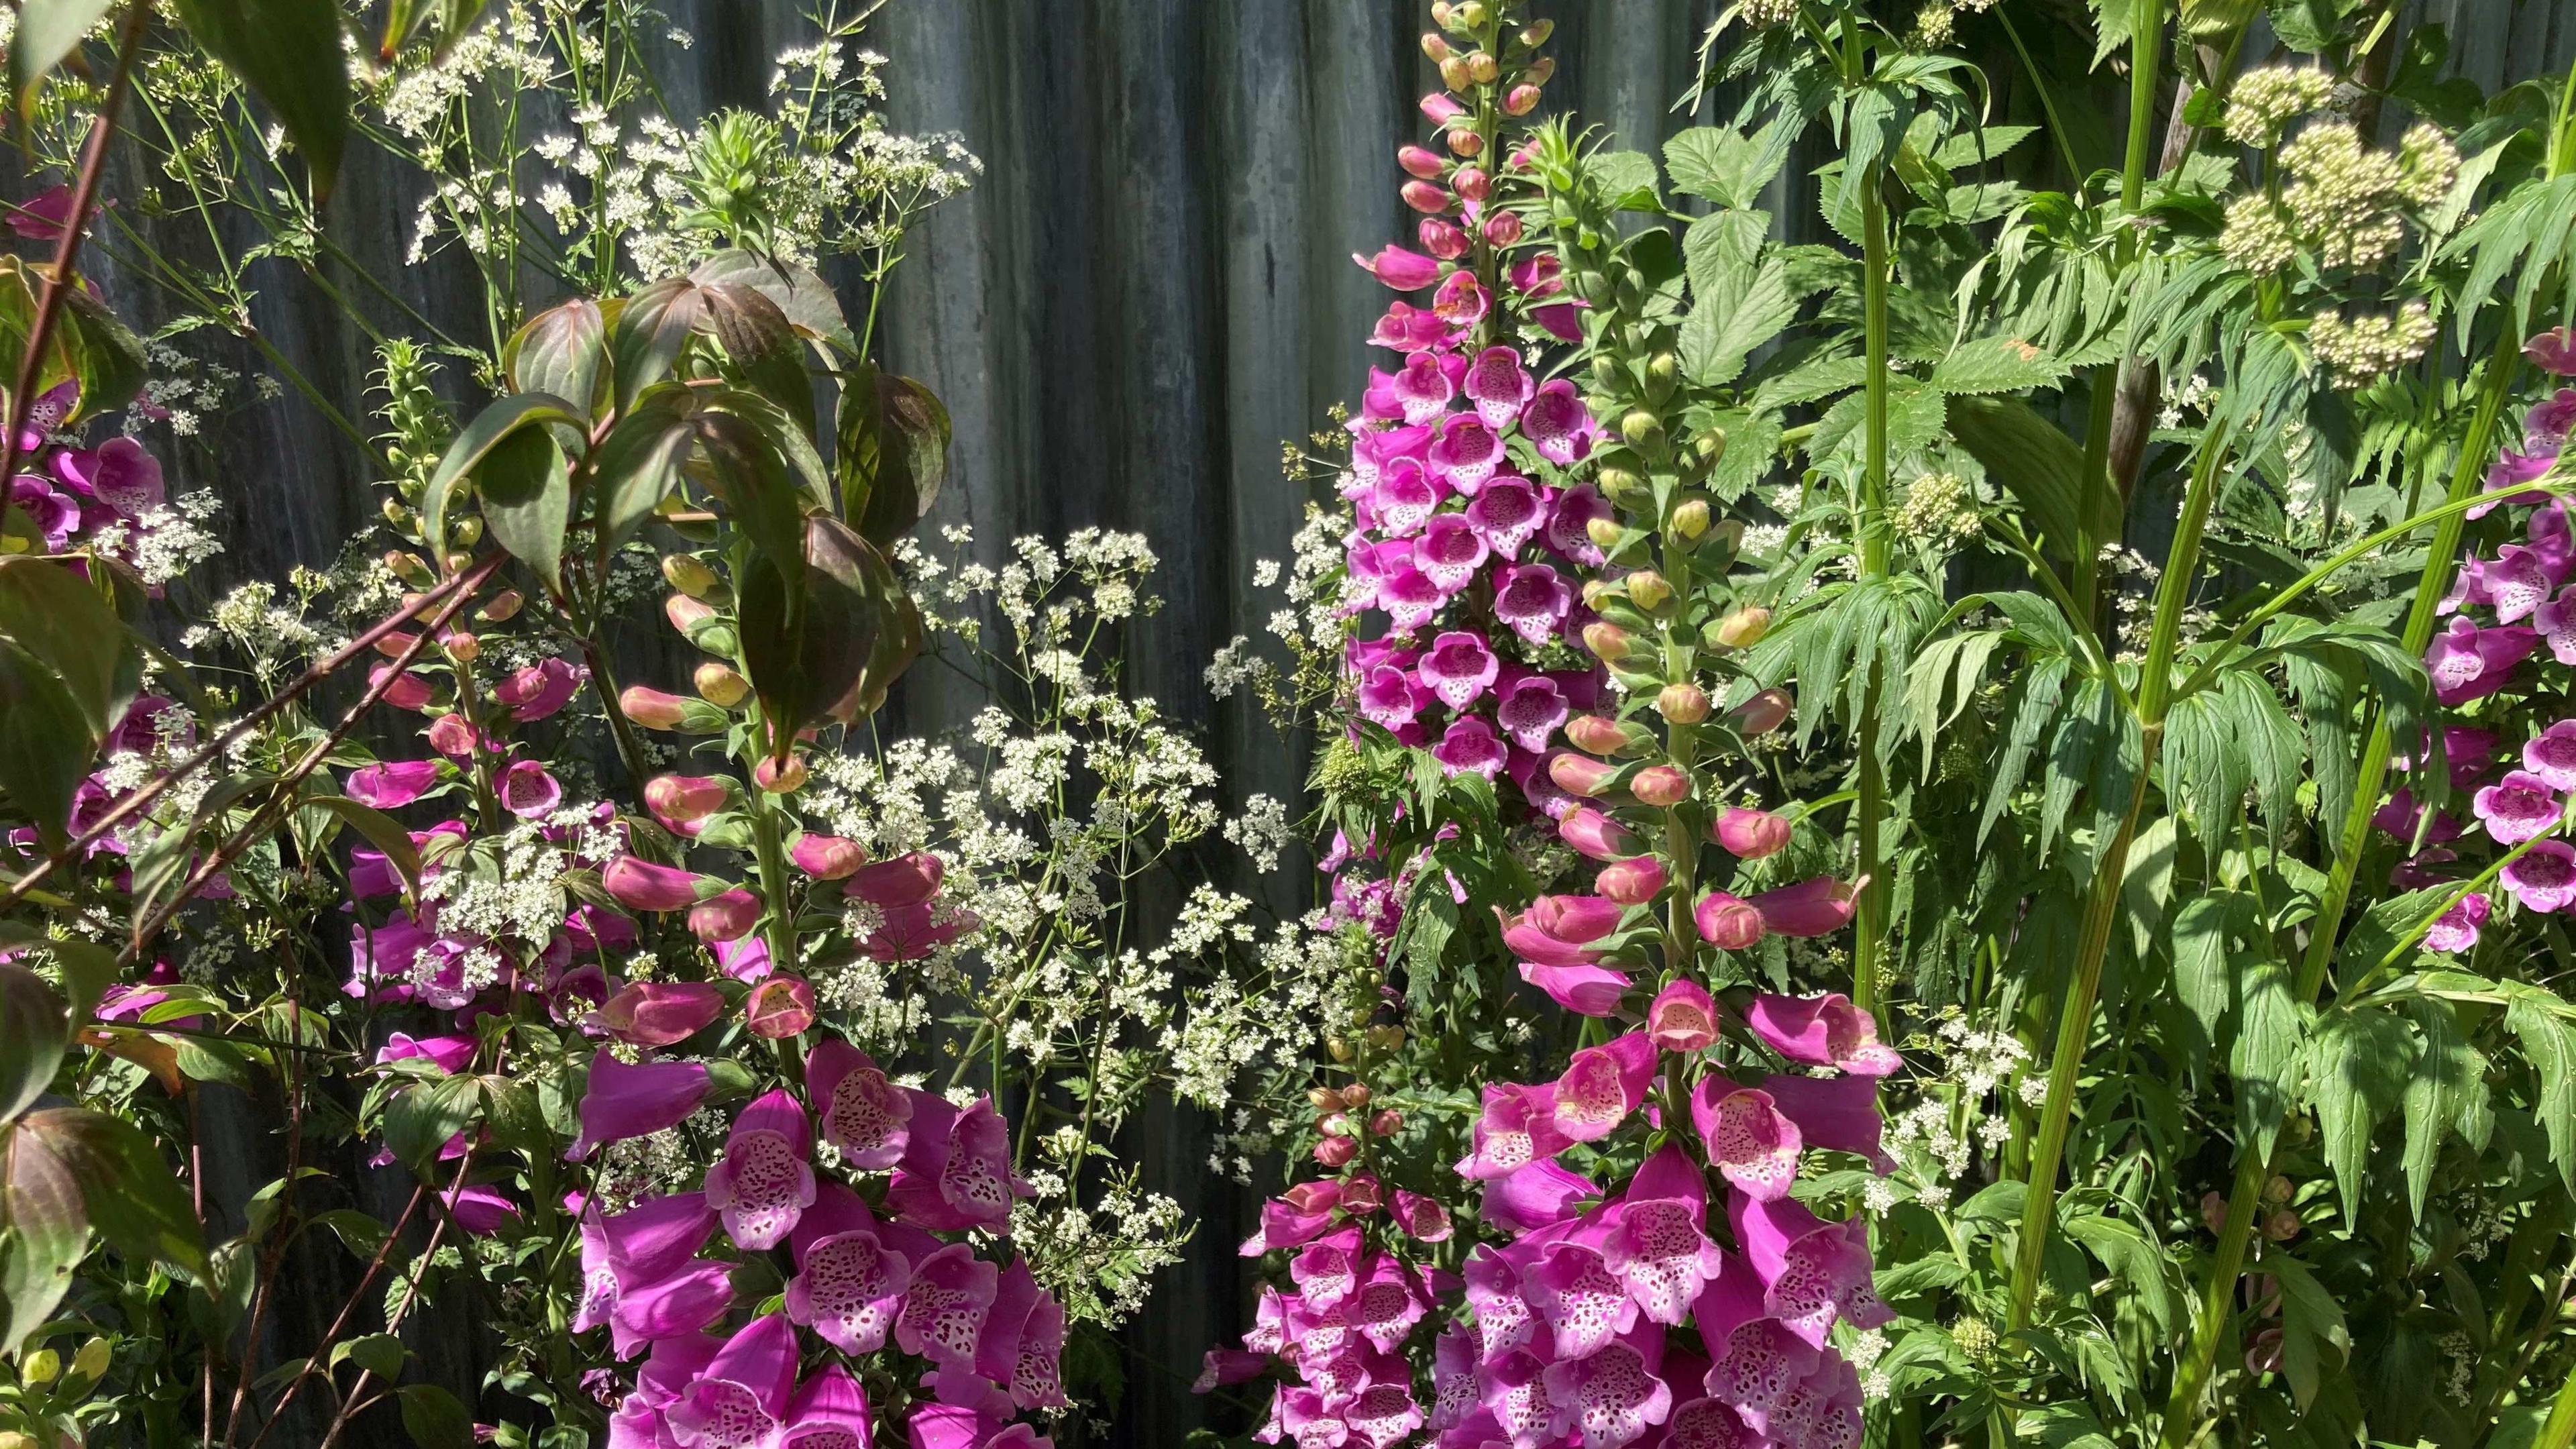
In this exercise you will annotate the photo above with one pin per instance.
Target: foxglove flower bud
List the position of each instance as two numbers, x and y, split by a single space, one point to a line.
1441 239
640 885
451 736
1425 196
1631 882
1749 834
1659 785
1598 836
652 708
684 572
501 607
1336 1151
1607 641
1683 703
827 857
1764 712
1726 922
726 917
780 778
1601 735
720 686
1648 589
1420 161
1690 518
1472 183
1483 69
681 799
1580 775
1744 628
684 611
780 1007
1503 228
1520 100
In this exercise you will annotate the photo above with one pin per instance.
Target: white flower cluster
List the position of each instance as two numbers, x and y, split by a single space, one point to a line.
167 542
1939 509
1100 1261
2345 198
2263 101
2368 347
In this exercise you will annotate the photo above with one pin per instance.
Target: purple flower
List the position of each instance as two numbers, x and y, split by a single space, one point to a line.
1582 1302
2552 755
945 1306
1390 697
1749 1142
1470 745
1822 1031
1410 598
956 1168
540 689
1602 1085
528 791
1613 1397
1818 906
1449 552
2456 930
1812 1271
1569 522
1755 1361
2543 878
1405 497
863 1115
1458 667
829 1412
765 1180
1535 1197
1838 1114
393 783
1655 1242
849 1282
740 1399
1533 599
1530 710
118 473
1558 424
2520 581
2508 473
1386 1303
1405 271
625 1101
1506 514
1516 1128
1584 990
1466 452
1422 387
1499 386
2552 351
2517 807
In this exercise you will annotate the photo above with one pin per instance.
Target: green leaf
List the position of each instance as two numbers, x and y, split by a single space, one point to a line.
1726 166
475 443
422 1116
892 453
106 357
2548 1038
48 30
128 1192
802 296
1952 668
761 345
2205 935
1995 364
807 644
44 1232
527 500
381 830
381 1354
34 1029
2358 1068
1626 179
2313 1336
434 1419
562 352
45 743
2447 1093
637 465
288 53
2037 463
2264 1058
59 619
1723 328
648 333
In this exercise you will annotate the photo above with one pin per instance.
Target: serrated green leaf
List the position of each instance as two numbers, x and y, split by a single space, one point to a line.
2447 1094
2358 1067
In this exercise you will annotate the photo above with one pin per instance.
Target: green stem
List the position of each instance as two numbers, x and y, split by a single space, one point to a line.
1869 933
2101 909
2559 1432
2216 1322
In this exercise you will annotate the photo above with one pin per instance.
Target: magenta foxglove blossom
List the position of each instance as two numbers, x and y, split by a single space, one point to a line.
1818 906
765 1180
1596 835
850 1283
1656 1243
1583 990
1527 937
1751 1144
2552 351
1812 1271
1296 1216
1405 271
658 1013
1449 552
1507 514
118 473
640 885
2456 929
1516 1128
2517 807
955 1172
1728 923
1405 497
1682 1017
1613 1397
1465 456
528 791
1470 745
1532 599
2551 755
865 1116
1838 1114
540 689
1602 1085
944 1308
1569 523
1530 710
2543 878
1538 1196
1423 1219
392 784
739 1400
2467 662
1633 882
1582 1303
1749 834
1558 424
1327 1270
1386 1303
1458 667
1822 1031
902 881
451 1052
829 1412
625 1101
1499 386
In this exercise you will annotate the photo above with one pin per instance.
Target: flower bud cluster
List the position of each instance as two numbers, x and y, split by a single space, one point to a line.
2263 102
2368 347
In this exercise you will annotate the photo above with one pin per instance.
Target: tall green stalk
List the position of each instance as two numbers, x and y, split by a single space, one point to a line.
2559 1432
2101 908
1869 935
2213 1327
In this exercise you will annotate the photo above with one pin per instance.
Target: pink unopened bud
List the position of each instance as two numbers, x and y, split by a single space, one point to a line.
1385 1124
1426 196
404 691
2213 1210
1442 239
1520 100
1440 109
652 708
1682 1018
1818 906
451 736
1726 922
1578 919
1472 183
726 917
1606 640
1660 786
1503 228
1601 735
678 800
1336 1151
660 1013
827 857
780 777
1631 882
903 881
683 611
1420 161
640 885
1580 774
1597 835
1749 834
780 1007
1764 712
1684 703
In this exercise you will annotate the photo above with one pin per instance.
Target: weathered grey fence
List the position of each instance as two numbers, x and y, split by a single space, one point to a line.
1147 292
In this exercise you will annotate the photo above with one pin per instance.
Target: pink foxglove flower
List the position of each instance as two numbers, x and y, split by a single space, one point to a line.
955 1172
659 1013
1530 709
1755 1360
1387 1303
1582 1302
850 1282
1602 1085
2543 878
1538 1196
1812 1271
1465 455
393 783
1558 424
1449 552
1499 386
2551 755
1470 746
1507 514
1749 834
640 885
827 857
1391 698
1328 1269
1749 1141
1584 990
1514 1390
529 791
1708 1424
1569 523
1614 1397
1405 271
1682 1018
865 1116
1818 906
1533 599
1422 1218
2456 930
725 916
118 473
1631 882
1516 1128
1728 923
1405 497
1838 1114
1493 1289
765 1180
1459 667
905 880
2467 662
944 1308
829 1412
740 1399
2550 351
1423 387
1461 302
2517 807
625 1101
1656 1243
1822 1031
540 689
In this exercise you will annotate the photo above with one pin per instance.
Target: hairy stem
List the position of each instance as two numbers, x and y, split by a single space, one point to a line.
1869 815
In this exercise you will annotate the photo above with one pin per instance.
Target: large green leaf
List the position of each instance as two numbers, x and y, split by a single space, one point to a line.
288 52
740 461
761 345
1726 166
637 465
45 744
807 643
59 618
892 452
43 1232
527 499
802 295
649 331
128 1192
2447 1094
2037 463
563 352
2358 1069
34 1028
476 443
422 1116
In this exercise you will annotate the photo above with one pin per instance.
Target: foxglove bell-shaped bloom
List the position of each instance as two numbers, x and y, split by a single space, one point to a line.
1602 1085
1516 1128
1728 923
955 1172
640 885
119 473
1682 1017
765 1180
1465 455
1631 882
829 1412
1612 1398
540 689
905 880
2551 755
1514 1393
2552 351
849 1282
862 1114
1584 990
2467 662
1838 1114
625 1101
1449 552
1493 1289
1422 1218
1387 1303
1558 424
1582 1302
1296 1216
2517 807
1756 1362
827 857
1749 834
659 1013
1569 525
2456 930
1422 388
1470 746
1391 698
1818 906
392 784
1709 1424
1533 600
1499 386
1462 302
1458 667
2543 878
740 1399
1507 513
1327 1269
1405 497
1749 1141
944 1308
1530 709
529 791
1596 835
1656 1243
1822 1031
1405 271
1812 1271
1538 1196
